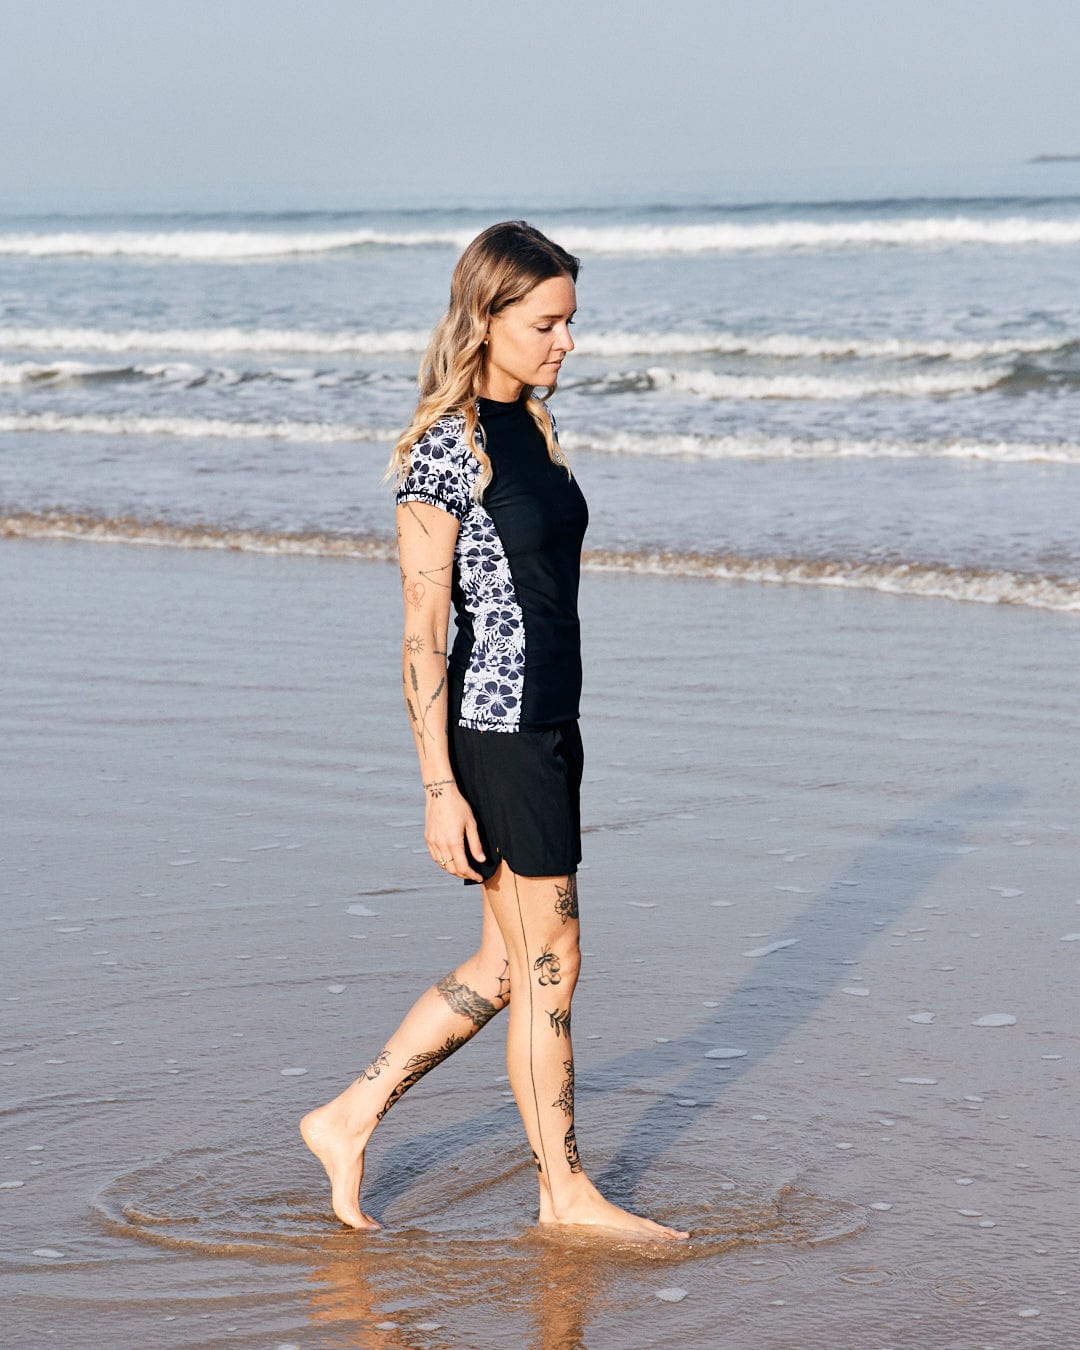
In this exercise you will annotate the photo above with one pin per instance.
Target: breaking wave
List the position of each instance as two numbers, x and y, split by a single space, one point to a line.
197 245
1061 594
408 342
708 384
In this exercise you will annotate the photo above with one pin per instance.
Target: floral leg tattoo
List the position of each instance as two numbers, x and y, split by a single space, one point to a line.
420 1065
381 1060
566 902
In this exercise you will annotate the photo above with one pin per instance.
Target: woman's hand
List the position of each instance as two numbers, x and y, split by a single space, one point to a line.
449 825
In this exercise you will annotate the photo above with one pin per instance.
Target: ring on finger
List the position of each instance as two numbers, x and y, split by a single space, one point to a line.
443 861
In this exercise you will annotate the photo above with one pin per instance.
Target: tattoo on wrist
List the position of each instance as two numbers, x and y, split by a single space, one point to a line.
435 788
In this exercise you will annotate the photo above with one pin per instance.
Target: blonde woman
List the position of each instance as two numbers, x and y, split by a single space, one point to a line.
490 519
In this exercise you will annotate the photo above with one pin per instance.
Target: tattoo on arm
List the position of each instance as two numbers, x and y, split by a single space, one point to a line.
566 905
435 788
419 720
420 1065
419 521
414 644
560 1022
466 1002
547 963
414 592
381 1060
434 575
565 1099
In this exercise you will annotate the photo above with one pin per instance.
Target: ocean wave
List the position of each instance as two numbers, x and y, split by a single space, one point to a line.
67 372
1061 594
196 245
708 384
670 445
410 342
693 447
130 424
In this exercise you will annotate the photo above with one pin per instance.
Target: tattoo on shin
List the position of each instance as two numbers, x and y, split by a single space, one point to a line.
560 1022
570 1147
565 1099
536 1160
547 963
566 905
381 1060
465 1001
420 1065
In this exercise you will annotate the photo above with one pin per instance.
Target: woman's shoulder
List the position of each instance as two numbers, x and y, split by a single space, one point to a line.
441 467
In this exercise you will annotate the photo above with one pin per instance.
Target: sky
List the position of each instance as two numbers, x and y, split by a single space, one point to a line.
235 104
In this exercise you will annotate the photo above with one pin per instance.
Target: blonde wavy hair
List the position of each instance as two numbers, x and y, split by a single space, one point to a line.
499 268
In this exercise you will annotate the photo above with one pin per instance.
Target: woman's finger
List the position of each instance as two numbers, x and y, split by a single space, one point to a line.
472 839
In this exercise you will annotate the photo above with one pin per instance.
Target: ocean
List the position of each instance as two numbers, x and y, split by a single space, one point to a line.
866 394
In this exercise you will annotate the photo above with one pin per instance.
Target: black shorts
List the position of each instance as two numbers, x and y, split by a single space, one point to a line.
524 788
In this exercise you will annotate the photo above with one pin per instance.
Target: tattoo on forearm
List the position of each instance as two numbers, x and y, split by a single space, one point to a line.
547 963
566 905
419 719
414 644
570 1147
565 1099
466 1002
560 1022
381 1060
420 1065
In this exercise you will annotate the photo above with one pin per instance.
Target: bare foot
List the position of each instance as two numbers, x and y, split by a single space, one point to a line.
588 1207
326 1132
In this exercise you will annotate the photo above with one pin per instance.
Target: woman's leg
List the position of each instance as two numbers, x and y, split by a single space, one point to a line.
441 1020
538 917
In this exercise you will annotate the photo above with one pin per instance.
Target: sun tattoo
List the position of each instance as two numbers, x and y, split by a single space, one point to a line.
414 644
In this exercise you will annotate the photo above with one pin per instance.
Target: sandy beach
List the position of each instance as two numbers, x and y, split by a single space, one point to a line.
828 1015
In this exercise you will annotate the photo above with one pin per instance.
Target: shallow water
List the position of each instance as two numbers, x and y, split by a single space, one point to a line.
219 900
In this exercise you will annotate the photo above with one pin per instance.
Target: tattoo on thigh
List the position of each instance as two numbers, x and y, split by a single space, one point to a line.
560 1022
381 1060
466 1002
570 1146
547 963
565 1099
420 1065
566 906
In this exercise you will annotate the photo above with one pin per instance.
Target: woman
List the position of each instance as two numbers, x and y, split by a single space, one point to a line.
489 516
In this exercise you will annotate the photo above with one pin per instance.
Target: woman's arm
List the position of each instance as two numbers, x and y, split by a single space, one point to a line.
426 538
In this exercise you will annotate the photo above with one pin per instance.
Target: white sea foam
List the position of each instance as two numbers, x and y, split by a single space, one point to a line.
131 424
709 384
906 579
406 341
674 446
61 372
196 245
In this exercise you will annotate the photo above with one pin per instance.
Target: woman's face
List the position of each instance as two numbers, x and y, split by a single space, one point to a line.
526 343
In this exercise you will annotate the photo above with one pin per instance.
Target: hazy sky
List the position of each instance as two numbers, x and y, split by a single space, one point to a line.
354 102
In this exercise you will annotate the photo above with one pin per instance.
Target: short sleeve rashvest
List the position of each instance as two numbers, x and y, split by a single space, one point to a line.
516 660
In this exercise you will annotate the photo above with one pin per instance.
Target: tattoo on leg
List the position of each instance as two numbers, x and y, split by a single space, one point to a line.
532 1037
420 1065
547 963
566 906
466 1002
503 995
565 1099
560 1022
381 1060
536 1160
570 1145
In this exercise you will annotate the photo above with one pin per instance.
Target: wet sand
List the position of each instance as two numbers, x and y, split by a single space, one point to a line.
828 835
